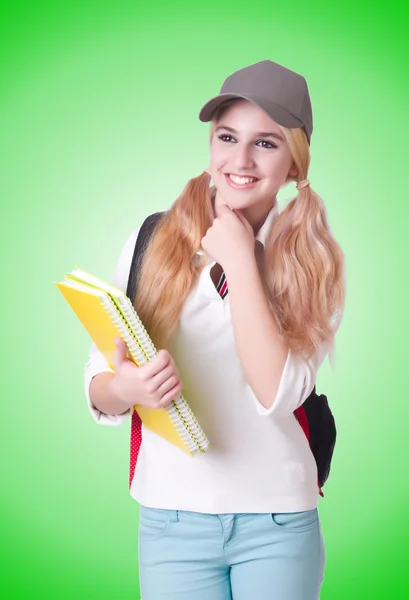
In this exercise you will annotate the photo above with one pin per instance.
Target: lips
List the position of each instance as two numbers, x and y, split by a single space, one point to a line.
240 182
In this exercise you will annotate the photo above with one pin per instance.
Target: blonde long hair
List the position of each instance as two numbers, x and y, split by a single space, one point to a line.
303 264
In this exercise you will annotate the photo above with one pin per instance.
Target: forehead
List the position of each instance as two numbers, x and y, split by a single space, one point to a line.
245 115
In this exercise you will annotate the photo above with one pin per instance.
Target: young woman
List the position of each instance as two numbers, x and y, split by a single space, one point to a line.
244 302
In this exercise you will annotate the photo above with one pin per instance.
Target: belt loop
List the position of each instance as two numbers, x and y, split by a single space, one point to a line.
174 516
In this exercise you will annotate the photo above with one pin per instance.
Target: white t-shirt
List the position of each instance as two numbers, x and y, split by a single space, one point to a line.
259 459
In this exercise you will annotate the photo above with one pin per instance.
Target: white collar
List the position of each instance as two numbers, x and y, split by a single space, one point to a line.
265 228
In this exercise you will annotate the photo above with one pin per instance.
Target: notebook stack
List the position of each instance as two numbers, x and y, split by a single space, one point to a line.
106 312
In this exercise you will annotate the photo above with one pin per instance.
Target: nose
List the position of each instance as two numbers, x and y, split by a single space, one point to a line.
243 158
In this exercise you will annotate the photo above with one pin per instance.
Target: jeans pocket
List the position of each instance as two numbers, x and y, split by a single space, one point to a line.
153 522
296 522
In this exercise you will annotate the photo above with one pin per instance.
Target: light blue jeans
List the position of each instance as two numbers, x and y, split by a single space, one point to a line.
195 556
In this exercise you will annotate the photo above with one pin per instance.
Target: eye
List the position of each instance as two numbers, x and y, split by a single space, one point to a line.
269 144
223 137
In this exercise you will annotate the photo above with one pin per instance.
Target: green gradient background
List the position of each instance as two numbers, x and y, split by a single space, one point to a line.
99 128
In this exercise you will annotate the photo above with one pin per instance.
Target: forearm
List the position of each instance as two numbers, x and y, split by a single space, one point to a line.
261 349
102 396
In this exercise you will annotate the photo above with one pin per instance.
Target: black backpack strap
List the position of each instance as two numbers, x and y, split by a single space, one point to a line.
323 433
142 240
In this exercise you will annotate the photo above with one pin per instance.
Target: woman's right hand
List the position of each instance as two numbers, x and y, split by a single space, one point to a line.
154 384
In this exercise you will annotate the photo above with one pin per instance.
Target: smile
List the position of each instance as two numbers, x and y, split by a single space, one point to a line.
240 182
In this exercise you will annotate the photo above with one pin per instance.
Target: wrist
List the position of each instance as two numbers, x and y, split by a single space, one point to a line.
116 395
243 263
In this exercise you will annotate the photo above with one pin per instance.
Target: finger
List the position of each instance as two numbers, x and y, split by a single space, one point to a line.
158 364
168 383
242 218
237 211
171 395
163 379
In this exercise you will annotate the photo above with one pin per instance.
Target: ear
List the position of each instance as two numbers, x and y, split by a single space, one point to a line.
293 172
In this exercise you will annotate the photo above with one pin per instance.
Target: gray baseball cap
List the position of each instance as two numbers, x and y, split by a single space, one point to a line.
280 92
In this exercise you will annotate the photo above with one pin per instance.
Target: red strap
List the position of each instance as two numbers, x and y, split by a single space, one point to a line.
135 444
303 421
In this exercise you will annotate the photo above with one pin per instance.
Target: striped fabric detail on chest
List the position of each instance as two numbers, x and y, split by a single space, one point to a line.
222 286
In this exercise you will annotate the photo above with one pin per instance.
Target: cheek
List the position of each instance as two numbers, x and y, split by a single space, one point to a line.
276 167
218 155
215 164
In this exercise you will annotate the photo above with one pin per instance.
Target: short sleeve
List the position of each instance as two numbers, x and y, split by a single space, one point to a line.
96 361
296 384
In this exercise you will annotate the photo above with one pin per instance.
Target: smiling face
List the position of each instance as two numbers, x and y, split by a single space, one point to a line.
249 159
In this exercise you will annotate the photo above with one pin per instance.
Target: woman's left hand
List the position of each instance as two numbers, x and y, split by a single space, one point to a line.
229 238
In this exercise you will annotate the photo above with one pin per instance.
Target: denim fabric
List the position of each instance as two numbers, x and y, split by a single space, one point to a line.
194 556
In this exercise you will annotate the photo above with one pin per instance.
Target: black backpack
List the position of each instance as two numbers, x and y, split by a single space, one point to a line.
314 416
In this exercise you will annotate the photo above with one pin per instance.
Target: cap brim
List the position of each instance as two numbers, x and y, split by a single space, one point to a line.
208 109
276 112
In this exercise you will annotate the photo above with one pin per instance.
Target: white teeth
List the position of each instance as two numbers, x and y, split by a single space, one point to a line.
242 180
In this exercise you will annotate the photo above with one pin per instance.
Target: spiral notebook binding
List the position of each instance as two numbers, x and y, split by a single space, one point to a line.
188 416
122 328
184 433
142 335
183 410
178 410
137 331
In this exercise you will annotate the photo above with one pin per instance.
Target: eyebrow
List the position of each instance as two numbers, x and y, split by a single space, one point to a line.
258 133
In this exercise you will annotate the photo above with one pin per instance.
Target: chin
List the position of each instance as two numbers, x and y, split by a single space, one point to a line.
235 202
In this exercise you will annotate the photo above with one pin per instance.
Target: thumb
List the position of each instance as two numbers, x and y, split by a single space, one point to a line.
119 356
238 212
240 215
243 219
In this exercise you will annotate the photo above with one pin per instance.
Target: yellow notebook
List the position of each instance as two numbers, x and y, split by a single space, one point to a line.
106 313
